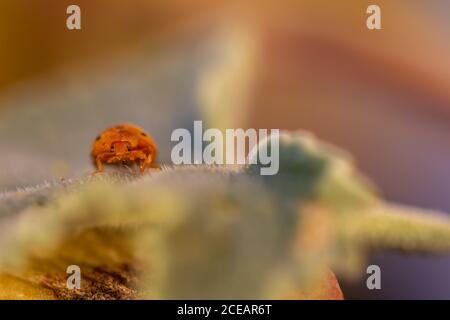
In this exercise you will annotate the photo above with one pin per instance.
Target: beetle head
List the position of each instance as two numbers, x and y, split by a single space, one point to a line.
120 148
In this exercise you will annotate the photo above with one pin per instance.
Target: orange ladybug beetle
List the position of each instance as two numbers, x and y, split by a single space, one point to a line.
124 144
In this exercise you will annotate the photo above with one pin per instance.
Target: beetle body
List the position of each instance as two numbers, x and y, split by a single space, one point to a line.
124 144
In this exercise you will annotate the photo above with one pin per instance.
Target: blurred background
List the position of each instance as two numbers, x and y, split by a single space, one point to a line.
384 95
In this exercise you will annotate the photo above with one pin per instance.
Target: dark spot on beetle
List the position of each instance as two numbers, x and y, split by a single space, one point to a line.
98 138
41 200
143 134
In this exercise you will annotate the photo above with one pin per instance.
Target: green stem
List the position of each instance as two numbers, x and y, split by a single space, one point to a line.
403 228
